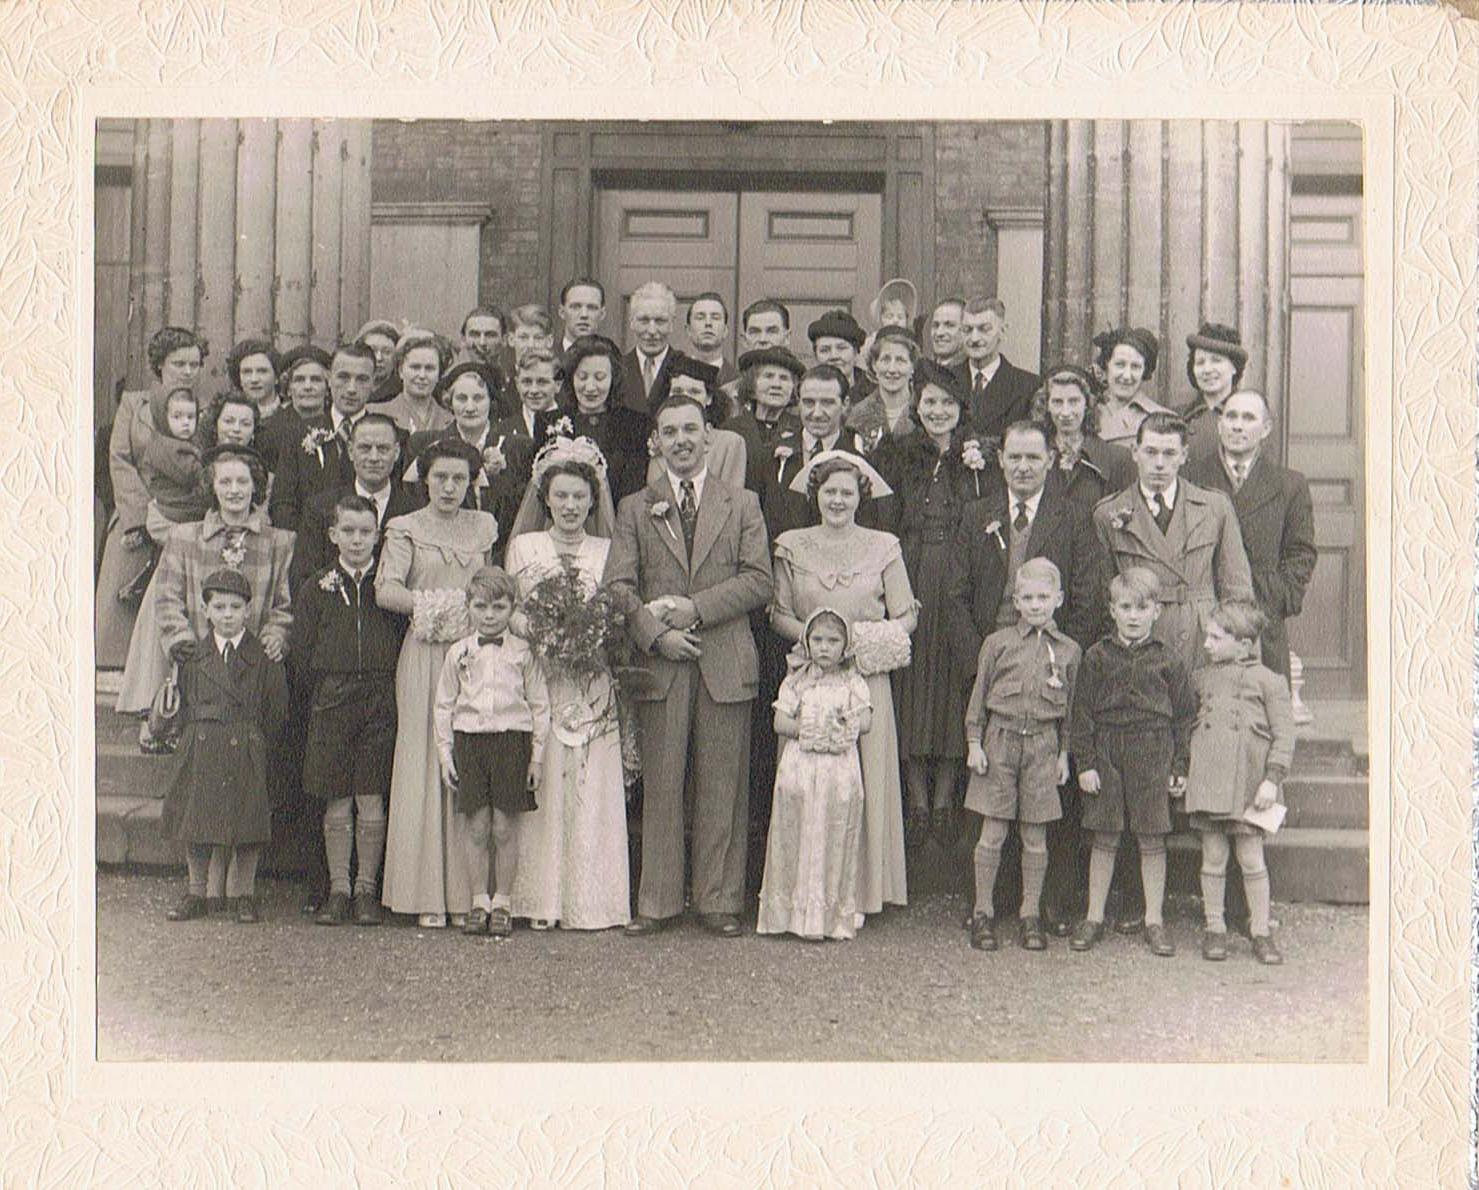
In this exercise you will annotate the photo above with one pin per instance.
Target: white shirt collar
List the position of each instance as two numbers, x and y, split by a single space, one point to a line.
1031 502
986 372
808 442
380 498
1169 495
696 480
1246 464
337 419
657 360
234 642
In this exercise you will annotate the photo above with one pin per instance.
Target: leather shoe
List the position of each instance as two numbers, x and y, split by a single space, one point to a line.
983 932
335 911
187 908
1159 942
643 925
477 922
1265 951
1214 945
1033 937
1129 925
367 910
1087 934
247 913
722 925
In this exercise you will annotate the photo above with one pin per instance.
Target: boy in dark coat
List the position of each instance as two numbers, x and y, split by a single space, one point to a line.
349 646
233 699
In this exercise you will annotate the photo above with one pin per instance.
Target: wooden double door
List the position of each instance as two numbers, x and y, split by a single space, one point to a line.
812 251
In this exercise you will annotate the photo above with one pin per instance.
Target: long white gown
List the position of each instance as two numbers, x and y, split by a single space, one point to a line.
573 864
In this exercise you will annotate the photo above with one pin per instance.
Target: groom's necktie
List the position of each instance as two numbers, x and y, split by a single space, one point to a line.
687 513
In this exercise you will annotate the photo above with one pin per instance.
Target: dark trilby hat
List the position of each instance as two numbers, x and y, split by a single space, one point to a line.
686 365
228 582
836 324
1224 340
777 357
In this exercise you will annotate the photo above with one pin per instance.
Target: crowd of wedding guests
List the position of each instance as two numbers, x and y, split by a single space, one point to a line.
863 593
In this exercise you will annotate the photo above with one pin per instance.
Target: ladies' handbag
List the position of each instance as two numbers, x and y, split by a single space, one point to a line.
165 719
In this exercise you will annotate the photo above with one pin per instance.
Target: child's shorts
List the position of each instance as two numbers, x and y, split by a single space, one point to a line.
493 770
1134 779
351 737
1021 778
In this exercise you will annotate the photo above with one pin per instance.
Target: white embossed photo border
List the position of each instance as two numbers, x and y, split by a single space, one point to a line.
1399 1119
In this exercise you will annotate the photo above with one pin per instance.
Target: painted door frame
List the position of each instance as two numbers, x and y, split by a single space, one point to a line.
896 159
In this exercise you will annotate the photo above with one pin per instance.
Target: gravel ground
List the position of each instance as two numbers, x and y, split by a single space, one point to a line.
907 988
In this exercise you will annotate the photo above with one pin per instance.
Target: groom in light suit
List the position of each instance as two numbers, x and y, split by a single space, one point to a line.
689 561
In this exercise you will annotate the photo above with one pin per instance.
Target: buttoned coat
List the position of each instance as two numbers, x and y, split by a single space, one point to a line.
728 577
1199 559
1060 532
1277 522
1008 397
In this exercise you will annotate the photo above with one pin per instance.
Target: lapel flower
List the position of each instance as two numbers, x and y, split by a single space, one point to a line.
869 439
233 549
493 457
658 510
1121 519
560 428
971 456
332 582
652 448
783 451
315 440
1055 679
994 530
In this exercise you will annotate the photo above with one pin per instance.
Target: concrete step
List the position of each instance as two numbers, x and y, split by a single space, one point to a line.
1328 801
130 832
124 771
1304 864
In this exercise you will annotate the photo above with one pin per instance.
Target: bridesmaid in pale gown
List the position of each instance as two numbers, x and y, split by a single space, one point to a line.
860 573
573 860
428 557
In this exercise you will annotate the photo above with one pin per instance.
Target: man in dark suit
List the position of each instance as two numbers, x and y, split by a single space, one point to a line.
645 370
374 452
320 461
1274 511
1031 518
836 338
699 547
822 405
1000 392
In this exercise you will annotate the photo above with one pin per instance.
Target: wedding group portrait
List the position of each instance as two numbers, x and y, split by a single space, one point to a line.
731 590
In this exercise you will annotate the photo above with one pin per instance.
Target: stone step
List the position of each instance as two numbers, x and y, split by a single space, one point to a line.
130 832
124 771
1328 801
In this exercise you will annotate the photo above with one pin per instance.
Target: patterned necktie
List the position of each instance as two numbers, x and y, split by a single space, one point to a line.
687 512
1019 522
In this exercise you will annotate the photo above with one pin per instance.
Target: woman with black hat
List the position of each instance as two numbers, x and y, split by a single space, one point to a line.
1215 359
235 533
303 386
1127 357
766 395
1067 407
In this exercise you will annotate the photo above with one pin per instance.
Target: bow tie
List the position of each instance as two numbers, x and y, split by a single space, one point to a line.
490 640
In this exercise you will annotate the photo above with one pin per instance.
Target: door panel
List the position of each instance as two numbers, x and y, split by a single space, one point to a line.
688 241
1326 433
426 273
813 252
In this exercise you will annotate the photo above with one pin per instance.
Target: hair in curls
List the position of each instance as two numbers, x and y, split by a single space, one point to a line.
243 351
448 448
824 471
575 467
1038 411
213 415
255 466
410 341
583 349
168 340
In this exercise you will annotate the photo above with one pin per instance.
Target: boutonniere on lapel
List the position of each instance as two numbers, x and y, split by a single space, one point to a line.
974 459
233 550
994 530
1121 519
493 457
783 451
315 440
653 450
562 428
332 582
1055 676
658 510
869 439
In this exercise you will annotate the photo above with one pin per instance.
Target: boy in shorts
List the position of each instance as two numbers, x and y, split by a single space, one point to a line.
1017 730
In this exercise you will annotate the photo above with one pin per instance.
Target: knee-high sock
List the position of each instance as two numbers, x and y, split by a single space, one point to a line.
241 875
1153 876
988 863
369 843
339 842
1034 866
1101 872
1214 879
1255 882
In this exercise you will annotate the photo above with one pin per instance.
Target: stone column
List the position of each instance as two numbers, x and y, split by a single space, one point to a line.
248 228
1165 224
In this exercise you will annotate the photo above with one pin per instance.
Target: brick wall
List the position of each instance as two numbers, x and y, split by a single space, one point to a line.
980 166
494 162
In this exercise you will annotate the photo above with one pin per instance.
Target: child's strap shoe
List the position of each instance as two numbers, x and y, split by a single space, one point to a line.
1033 937
1265 951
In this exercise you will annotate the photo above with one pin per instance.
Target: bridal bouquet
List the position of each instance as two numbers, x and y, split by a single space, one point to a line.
439 614
879 646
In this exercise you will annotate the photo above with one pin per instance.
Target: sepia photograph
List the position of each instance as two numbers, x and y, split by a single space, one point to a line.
740 591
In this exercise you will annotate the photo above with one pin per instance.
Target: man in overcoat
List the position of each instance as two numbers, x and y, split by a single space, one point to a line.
1274 511
1187 535
688 563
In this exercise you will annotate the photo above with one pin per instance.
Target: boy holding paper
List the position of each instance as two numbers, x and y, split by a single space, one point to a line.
1240 754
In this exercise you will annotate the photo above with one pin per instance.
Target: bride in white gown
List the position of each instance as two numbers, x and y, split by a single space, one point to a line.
573 866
